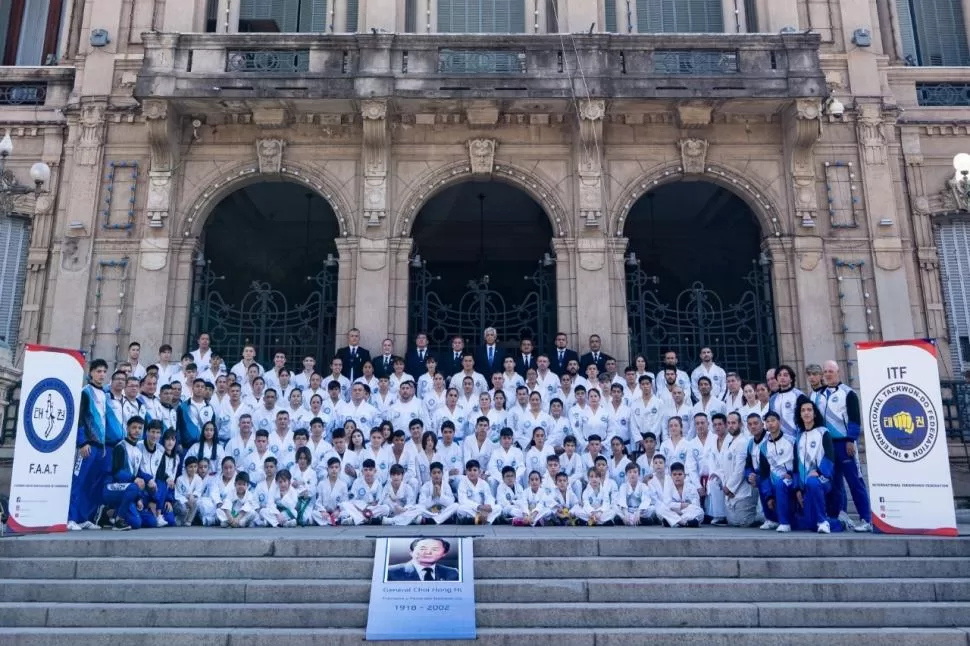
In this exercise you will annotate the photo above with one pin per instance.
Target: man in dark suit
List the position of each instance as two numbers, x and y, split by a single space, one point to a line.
414 359
561 355
384 362
423 566
489 358
450 363
594 355
353 356
525 358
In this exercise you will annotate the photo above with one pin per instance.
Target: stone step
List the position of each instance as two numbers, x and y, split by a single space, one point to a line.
499 615
283 568
656 590
539 542
487 637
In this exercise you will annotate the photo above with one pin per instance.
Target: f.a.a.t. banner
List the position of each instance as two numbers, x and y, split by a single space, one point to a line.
906 450
43 461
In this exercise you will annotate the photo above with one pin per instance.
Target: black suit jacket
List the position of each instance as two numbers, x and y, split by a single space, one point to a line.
414 365
380 371
406 572
447 364
520 366
481 362
560 367
587 359
344 355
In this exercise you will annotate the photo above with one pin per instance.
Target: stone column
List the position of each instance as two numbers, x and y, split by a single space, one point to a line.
785 274
566 259
372 297
348 253
399 291
181 16
593 296
814 313
227 17
620 323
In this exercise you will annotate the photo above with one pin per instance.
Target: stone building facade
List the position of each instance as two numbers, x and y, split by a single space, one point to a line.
819 121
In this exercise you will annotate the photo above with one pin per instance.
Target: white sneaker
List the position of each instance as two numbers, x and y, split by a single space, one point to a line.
290 523
862 526
823 527
783 529
769 525
89 525
160 520
846 521
73 527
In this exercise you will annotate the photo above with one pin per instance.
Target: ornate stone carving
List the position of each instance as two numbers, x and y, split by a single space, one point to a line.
871 135
802 130
159 197
376 148
269 153
591 114
693 154
481 155
91 136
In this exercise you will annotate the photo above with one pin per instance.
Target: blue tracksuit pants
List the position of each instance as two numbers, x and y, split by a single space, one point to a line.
846 470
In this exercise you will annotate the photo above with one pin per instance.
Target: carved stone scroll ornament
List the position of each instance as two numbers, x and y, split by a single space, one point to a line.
91 136
376 150
803 128
591 115
162 122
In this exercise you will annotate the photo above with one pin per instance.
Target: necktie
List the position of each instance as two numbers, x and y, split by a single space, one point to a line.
562 355
528 359
353 353
491 353
421 355
427 574
457 357
387 362
596 356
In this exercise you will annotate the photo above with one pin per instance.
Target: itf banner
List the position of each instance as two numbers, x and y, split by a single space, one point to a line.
43 461
422 588
902 414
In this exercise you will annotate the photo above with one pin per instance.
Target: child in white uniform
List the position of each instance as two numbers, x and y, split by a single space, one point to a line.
436 500
476 504
188 491
562 501
331 494
400 498
682 504
238 509
533 506
597 507
634 502
365 498
507 494
281 510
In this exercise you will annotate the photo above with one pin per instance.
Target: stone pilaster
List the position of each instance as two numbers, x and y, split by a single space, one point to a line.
76 231
566 315
594 298
399 292
348 253
619 322
814 315
889 273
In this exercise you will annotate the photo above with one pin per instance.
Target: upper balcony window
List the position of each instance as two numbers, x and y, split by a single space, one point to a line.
933 32
481 16
674 16
290 16
29 30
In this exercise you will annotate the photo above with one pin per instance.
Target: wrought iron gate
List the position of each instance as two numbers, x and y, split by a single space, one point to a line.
741 334
482 306
266 318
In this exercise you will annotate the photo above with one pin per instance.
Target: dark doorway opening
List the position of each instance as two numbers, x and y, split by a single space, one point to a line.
696 276
267 273
482 258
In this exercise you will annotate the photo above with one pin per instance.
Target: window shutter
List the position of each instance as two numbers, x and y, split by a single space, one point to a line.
953 244
14 241
281 12
481 16
906 31
353 13
941 37
410 16
313 16
679 16
611 25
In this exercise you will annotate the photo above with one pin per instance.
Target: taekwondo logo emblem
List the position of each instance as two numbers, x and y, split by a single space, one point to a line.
904 422
48 415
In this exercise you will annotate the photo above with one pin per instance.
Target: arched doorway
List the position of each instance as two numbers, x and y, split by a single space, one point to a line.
267 273
697 276
482 258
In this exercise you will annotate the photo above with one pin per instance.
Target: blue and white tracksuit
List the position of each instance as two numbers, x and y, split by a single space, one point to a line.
813 453
99 428
774 469
783 403
121 493
840 408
